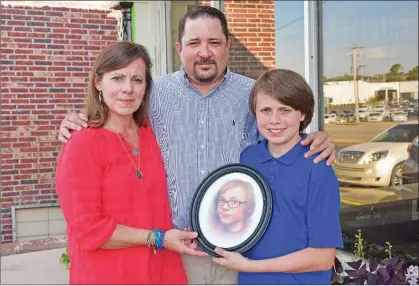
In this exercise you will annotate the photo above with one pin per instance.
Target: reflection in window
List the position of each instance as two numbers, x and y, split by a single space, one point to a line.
399 133
383 38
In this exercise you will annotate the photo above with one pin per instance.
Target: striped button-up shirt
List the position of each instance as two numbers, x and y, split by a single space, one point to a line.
197 133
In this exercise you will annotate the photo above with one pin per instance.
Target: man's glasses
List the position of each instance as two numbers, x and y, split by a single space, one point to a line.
231 203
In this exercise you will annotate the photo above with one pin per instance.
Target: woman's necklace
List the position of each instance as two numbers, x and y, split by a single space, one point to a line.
135 151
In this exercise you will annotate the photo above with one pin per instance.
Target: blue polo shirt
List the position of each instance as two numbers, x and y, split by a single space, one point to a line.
306 205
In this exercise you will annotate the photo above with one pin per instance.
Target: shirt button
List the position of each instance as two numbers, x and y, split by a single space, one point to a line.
202 146
275 162
202 121
202 172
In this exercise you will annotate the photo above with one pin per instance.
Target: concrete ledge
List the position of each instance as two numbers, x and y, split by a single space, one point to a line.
33 245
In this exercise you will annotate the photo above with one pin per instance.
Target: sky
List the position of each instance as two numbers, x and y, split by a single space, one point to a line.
387 29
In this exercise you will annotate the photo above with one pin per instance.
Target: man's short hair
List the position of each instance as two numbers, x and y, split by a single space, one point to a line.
202 12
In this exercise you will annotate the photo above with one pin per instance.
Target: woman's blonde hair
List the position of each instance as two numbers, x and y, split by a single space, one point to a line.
114 57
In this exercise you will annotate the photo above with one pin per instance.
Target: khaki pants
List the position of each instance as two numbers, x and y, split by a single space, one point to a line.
202 270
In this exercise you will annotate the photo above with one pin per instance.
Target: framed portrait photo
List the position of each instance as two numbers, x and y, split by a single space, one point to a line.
231 209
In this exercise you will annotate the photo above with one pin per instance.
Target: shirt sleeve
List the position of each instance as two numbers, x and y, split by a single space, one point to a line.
323 208
251 134
79 188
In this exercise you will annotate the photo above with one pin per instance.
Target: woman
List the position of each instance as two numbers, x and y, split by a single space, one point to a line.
233 208
111 182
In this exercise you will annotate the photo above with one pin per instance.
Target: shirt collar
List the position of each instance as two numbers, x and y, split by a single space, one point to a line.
288 158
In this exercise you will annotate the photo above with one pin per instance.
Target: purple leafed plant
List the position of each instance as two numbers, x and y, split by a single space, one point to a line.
392 273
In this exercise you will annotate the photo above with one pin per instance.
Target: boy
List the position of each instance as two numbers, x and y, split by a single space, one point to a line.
300 243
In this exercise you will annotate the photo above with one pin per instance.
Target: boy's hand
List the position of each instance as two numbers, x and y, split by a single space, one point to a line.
232 260
320 142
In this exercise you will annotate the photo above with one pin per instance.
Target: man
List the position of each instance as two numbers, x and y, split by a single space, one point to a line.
201 120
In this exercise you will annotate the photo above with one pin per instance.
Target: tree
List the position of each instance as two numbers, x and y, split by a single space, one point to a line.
372 101
413 74
396 69
395 73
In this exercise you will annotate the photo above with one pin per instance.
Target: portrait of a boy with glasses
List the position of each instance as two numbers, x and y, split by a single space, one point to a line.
233 207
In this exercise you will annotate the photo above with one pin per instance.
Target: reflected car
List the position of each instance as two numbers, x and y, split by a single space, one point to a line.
363 115
345 117
399 116
329 118
410 175
411 107
377 162
375 117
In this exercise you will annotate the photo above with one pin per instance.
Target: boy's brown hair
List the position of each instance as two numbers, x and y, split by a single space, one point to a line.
289 88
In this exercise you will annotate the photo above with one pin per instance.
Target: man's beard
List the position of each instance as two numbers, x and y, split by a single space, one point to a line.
209 77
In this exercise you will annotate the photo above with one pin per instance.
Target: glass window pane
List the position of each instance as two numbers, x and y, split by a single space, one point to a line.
376 44
289 35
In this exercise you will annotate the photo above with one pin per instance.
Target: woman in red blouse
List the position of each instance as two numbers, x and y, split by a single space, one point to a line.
111 182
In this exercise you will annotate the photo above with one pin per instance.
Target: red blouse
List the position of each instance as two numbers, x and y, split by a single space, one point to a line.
98 189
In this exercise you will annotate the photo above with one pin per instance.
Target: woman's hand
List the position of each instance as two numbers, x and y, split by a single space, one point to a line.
232 260
175 240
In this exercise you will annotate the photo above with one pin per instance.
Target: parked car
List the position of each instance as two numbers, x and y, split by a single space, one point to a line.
342 118
329 118
399 116
377 162
411 107
375 117
410 175
363 115
385 112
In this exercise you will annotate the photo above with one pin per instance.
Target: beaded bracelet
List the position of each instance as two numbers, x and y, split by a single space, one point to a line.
165 242
157 238
149 239
163 234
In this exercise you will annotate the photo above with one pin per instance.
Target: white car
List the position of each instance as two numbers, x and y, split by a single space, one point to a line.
363 114
399 116
375 117
377 162
329 118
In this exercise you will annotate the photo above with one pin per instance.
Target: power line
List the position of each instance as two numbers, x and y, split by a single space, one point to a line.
289 23
294 21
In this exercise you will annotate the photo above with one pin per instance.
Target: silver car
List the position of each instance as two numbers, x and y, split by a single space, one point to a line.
375 117
379 161
409 189
399 116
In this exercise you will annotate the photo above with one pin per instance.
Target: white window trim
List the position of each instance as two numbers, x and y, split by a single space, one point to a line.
311 57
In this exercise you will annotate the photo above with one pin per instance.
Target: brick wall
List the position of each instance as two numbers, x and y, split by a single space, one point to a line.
252 28
46 56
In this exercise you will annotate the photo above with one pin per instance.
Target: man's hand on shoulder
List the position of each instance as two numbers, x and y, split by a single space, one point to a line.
71 121
320 142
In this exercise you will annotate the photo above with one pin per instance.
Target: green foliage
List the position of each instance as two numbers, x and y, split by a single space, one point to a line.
359 245
395 73
396 69
413 74
372 101
65 259
388 249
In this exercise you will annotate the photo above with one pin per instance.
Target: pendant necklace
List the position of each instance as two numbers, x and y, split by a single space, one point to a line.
135 151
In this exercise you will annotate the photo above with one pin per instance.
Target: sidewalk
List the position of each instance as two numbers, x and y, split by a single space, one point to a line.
38 267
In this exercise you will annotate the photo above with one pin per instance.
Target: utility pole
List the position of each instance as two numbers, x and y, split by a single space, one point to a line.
355 69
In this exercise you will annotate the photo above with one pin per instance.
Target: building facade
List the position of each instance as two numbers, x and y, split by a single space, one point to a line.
48 48
342 92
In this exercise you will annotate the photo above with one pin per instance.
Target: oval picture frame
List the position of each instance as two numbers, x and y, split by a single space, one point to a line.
231 209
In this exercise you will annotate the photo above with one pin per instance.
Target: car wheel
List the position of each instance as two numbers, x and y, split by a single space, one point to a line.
396 179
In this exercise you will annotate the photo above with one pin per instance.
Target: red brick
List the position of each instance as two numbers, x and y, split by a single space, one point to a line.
28 156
